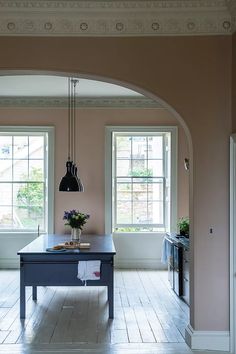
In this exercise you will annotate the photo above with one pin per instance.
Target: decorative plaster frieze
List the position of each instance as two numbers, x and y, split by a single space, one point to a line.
114 18
232 9
107 5
86 102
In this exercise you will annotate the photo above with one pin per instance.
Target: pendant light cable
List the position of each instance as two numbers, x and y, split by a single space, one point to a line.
69 120
71 182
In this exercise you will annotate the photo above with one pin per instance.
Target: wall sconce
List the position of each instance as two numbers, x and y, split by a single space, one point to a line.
186 164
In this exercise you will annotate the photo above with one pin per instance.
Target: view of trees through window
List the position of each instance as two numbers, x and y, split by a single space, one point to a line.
140 181
22 181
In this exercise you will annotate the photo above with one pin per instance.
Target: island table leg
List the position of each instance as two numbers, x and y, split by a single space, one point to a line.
111 291
22 292
34 293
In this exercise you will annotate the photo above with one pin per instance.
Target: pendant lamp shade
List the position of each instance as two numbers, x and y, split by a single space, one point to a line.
71 182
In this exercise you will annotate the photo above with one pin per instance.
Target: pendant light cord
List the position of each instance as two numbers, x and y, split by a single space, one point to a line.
69 120
73 120
71 181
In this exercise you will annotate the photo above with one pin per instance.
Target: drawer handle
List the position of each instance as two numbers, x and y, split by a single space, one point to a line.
185 279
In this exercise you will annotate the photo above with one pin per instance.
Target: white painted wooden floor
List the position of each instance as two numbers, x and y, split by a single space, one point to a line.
149 317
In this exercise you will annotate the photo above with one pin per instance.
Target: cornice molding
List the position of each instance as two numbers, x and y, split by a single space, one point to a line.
86 102
232 9
115 18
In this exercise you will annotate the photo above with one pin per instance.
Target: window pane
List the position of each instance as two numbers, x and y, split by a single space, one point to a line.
139 147
155 167
123 147
36 170
123 187
27 218
155 191
139 168
20 170
123 192
155 212
36 196
28 194
139 191
140 213
6 220
20 147
123 168
36 147
6 147
5 170
123 213
155 147
20 194
5 194
29 204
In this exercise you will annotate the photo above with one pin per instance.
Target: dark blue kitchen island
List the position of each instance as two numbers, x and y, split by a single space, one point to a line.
38 267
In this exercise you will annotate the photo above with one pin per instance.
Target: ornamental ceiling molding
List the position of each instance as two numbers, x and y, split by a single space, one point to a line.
232 9
86 102
116 18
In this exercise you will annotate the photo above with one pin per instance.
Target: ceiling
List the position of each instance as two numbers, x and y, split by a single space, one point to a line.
57 86
32 91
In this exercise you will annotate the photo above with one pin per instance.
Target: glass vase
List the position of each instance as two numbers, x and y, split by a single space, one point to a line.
75 234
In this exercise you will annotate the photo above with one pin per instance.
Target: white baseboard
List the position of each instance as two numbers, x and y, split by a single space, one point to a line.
207 340
139 264
9 263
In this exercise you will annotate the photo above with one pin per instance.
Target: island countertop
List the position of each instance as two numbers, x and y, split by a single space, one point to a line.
99 244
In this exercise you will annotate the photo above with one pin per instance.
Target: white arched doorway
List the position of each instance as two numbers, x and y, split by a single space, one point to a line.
175 114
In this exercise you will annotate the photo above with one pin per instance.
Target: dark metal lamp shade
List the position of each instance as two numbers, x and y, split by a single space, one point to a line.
70 182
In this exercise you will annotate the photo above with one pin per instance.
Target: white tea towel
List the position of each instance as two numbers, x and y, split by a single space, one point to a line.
166 251
89 270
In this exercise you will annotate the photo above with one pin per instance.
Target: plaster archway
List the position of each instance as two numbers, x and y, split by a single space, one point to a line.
147 94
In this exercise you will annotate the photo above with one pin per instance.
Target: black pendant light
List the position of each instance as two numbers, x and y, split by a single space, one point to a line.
71 182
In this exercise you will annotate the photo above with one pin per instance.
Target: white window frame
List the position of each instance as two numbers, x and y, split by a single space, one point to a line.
49 178
109 131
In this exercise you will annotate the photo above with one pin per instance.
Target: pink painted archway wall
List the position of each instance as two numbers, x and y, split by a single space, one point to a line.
193 75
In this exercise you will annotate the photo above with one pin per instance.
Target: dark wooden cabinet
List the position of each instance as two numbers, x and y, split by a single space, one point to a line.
174 262
178 265
170 262
178 280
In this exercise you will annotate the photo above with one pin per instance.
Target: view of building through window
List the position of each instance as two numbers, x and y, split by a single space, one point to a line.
22 181
141 181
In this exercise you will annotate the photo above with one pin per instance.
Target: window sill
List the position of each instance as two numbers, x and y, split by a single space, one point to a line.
154 233
13 234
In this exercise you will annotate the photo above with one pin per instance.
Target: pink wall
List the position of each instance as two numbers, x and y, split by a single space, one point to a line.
90 149
193 75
